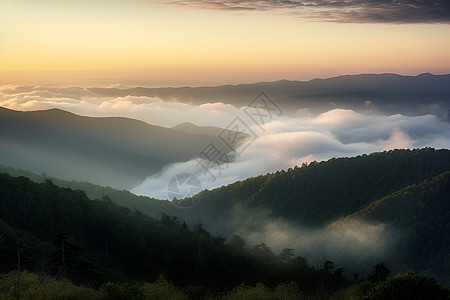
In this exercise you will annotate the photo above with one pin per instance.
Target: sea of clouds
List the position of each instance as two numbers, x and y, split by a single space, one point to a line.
282 142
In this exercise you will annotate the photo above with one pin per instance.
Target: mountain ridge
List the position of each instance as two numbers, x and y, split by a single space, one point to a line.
387 92
124 151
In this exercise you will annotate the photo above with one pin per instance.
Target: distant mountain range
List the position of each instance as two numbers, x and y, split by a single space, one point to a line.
387 93
118 152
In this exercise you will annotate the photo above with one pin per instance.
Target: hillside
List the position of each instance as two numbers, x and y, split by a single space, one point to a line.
319 193
65 234
421 213
308 207
390 206
117 152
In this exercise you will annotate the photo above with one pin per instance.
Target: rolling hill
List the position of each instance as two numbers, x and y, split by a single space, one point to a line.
117 152
65 234
390 206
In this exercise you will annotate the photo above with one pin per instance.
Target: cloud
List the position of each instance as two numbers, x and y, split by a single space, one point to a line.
397 140
287 142
81 101
351 11
351 242
284 142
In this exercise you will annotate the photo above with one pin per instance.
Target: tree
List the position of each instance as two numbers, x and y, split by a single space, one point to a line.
218 240
286 255
201 230
237 243
263 252
380 273
407 286
171 222
64 255
184 226
300 263
338 272
328 265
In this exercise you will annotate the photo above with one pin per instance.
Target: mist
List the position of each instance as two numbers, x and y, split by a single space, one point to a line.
287 142
352 243
81 101
282 142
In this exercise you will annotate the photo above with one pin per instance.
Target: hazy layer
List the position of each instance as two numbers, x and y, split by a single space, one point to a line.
281 143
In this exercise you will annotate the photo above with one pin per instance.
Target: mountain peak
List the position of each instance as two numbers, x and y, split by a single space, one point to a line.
425 75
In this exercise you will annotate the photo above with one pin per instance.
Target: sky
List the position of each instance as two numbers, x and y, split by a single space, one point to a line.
175 43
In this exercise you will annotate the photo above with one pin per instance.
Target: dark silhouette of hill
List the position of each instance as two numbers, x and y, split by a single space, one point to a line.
64 233
405 190
420 212
203 130
319 193
118 152
387 93
149 206
414 206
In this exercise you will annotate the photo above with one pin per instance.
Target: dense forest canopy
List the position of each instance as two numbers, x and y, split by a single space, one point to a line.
119 237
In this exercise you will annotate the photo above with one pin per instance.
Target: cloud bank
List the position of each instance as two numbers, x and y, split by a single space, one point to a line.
287 142
282 143
352 243
81 101
352 11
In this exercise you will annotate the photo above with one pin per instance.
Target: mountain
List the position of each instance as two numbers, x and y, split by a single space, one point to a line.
149 206
387 93
203 130
319 193
118 152
390 207
421 213
358 210
65 234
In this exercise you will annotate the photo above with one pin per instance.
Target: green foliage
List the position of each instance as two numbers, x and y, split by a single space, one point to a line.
286 255
161 290
259 291
286 291
403 286
380 273
328 265
370 188
119 291
110 243
355 292
283 291
407 286
35 287
320 193
238 243
425 210
67 235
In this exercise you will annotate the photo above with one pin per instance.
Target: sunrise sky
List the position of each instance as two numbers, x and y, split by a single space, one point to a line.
214 42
